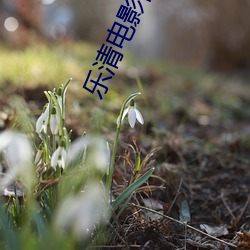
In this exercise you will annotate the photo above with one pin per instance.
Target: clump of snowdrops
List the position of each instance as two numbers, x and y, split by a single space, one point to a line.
61 190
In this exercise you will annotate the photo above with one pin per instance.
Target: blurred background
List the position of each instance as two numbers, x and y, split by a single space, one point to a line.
212 34
193 60
186 52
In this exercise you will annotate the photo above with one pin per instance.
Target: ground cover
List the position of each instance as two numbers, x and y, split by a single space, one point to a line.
196 128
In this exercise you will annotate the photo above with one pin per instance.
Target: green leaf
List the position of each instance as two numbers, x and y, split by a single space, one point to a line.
129 190
185 212
11 237
122 209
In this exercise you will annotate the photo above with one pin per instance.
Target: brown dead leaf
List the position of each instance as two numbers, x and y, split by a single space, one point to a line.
214 230
245 236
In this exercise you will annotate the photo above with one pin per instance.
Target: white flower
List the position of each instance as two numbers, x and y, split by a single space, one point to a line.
17 152
59 99
59 157
79 214
39 154
133 114
42 122
54 121
98 152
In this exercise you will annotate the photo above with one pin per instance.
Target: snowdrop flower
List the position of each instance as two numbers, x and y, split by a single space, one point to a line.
98 152
79 214
133 114
59 97
42 122
17 152
59 157
39 154
54 121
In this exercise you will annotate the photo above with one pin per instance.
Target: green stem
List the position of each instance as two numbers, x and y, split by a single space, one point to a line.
54 142
47 141
59 111
63 101
112 164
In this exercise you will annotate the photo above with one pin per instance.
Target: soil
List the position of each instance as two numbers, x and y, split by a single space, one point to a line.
204 164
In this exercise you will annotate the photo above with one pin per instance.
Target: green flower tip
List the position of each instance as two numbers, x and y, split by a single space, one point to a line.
132 103
45 107
59 91
62 143
53 111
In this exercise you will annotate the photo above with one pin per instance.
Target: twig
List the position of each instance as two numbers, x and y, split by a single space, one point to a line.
227 207
185 242
239 217
116 246
175 198
184 224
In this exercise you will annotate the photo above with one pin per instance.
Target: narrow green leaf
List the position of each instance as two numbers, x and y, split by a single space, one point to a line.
128 191
185 212
39 222
11 237
138 163
122 209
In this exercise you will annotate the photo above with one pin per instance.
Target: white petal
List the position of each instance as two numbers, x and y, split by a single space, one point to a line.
42 121
132 117
19 159
61 163
59 99
125 112
101 155
46 113
139 116
63 158
44 127
54 124
38 156
55 156
39 123
78 214
19 151
5 139
77 148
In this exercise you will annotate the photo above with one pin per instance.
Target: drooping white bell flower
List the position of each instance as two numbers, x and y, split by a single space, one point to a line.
54 121
59 97
42 122
39 154
133 114
17 152
79 214
59 157
98 152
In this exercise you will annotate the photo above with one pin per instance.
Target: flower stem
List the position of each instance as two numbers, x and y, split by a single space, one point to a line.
112 164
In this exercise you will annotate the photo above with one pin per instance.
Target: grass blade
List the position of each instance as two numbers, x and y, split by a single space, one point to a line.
128 191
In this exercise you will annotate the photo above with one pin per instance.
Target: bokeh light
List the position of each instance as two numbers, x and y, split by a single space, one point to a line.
11 24
47 2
